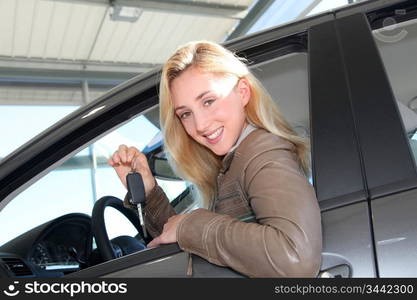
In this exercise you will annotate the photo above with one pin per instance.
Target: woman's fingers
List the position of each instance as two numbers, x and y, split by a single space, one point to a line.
131 152
126 159
111 162
139 162
122 153
155 242
135 166
169 231
116 158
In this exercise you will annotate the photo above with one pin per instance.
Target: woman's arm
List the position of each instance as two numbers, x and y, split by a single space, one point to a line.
157 210
286 241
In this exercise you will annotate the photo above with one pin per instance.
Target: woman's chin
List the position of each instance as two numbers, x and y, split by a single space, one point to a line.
220 151
219 148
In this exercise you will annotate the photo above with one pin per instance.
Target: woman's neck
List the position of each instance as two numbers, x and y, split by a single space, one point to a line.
247 128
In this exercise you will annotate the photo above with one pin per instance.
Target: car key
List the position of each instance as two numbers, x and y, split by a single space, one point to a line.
136 191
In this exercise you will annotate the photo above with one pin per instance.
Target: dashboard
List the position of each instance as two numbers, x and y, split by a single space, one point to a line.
62 245
48 255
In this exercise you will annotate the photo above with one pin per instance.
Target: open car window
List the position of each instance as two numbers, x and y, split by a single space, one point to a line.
77 183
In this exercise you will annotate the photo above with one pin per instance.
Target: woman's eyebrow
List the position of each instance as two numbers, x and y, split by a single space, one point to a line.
202 95
179 107
196 98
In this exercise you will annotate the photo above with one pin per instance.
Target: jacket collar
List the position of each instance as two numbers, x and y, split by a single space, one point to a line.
227 159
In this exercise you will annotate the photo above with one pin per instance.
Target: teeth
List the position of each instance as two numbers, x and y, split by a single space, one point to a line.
215 134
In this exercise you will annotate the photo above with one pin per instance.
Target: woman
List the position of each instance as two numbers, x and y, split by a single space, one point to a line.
223 133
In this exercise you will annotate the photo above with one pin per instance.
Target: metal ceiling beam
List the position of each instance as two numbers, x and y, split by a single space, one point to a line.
211 9
254 14
69 70
57 85
82 162
93 45
308 9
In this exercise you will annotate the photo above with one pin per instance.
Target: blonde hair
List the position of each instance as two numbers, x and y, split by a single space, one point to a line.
189 159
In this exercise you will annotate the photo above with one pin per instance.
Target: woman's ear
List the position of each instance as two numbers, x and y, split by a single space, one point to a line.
244 91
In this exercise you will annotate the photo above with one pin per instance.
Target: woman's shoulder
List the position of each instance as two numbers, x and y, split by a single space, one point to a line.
261 140
262 147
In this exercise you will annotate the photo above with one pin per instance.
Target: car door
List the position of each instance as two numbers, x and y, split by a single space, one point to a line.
382 82
337 168
385 168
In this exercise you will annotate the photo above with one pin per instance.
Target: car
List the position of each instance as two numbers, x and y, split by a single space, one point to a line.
346 79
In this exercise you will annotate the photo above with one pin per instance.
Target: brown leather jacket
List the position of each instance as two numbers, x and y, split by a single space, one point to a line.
265 221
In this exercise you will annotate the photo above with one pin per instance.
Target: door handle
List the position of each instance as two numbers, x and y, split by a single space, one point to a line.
340 271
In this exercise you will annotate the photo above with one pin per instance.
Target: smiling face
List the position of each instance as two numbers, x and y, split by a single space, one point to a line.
211 107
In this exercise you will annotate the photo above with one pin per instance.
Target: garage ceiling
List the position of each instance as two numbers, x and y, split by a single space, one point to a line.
50 46
84 31
65 41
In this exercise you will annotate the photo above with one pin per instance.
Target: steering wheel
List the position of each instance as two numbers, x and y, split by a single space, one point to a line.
100 233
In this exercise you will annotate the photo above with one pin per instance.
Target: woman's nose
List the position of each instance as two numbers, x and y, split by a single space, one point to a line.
202 122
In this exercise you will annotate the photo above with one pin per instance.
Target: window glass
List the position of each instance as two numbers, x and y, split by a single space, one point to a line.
56 194
138 133
326 5
397 44
286 79
111 217
83 179
285 11
25 122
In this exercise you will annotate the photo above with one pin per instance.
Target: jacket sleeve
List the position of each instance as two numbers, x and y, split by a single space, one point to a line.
157 210
286 240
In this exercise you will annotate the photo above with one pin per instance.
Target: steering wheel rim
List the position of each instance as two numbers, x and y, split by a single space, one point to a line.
99 227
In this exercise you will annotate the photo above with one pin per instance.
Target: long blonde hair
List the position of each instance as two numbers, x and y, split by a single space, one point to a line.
192 161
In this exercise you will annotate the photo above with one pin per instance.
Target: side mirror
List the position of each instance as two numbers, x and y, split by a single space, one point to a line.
160 167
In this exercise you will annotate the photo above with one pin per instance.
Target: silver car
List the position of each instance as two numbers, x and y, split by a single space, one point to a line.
347 79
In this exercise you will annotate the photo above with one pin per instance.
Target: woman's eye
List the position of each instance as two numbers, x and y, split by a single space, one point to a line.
208 102
184 115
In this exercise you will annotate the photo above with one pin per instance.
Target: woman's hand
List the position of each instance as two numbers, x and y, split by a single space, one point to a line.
127 159
169 233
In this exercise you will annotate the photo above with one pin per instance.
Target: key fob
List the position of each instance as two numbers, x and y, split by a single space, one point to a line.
135 188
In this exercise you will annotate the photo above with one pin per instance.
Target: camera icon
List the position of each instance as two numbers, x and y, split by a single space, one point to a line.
12 291
389 32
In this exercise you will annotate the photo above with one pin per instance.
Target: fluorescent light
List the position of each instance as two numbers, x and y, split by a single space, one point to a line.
125 13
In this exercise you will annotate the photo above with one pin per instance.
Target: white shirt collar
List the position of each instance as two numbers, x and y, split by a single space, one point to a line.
245 132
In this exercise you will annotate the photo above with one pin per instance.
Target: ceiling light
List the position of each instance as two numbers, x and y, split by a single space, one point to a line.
125 13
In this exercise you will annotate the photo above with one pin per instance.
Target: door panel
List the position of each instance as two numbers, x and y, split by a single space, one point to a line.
171 266
382 138
163 261
395 227
334 144
347 240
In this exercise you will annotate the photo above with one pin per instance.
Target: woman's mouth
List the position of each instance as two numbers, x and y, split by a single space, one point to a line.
215 136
